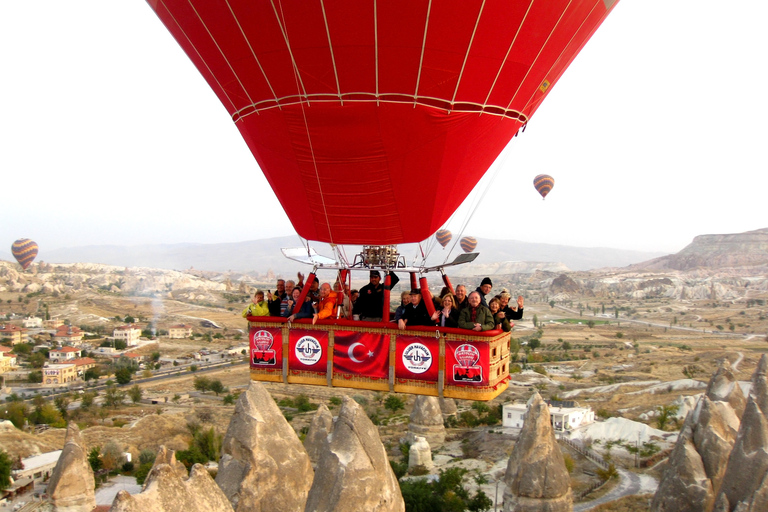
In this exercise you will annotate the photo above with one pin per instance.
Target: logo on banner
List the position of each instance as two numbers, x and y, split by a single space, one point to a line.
417 358
467 369
262 352
308 350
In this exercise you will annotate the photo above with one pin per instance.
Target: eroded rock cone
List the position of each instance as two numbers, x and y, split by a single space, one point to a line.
166 491
537 479
354 474
420 455
72 486
448 407
715 428
748 463
426 421
263 467
724 387
685 486
759 390
168 457
317 437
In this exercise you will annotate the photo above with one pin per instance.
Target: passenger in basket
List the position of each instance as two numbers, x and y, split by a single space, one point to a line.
415 313
405 299
500 319
511 311
306 311
257 307
276 299
370 303
486 285
461 297
448 316
476 316
326 307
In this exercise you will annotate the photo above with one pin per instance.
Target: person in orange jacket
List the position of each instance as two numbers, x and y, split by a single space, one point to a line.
326 308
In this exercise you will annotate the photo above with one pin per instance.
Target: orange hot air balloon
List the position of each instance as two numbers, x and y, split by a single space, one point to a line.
468 243
443 236
361 114
25 251
543 184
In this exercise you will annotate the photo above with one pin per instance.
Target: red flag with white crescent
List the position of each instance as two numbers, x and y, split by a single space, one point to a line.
361 353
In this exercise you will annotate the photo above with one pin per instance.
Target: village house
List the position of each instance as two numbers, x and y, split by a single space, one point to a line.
7 359
130 334
14 333
64 354
38 467
68 334
53 323
56 374
179 331
82 365
567 415
32 322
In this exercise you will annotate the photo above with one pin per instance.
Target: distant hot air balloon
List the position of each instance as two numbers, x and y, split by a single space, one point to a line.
443 236
24 250
543 183
468 243
382 102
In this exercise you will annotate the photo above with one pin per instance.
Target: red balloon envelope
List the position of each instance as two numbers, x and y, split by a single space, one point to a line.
373 121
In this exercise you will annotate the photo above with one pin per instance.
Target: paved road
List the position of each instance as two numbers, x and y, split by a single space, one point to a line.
629 483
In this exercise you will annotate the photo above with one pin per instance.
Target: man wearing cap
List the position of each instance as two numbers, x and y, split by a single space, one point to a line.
484 289
415 313
370 302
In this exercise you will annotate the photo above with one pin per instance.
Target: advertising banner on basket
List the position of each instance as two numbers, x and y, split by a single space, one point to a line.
266 347
417 358
308 350
361 353
466 362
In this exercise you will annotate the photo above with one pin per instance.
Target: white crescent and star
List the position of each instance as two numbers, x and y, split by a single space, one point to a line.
351 352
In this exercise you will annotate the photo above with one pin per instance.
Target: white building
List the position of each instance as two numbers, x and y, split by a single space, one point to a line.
564 415
130 334
32 322
38 467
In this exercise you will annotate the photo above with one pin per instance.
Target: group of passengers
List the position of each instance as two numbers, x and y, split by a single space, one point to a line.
451 310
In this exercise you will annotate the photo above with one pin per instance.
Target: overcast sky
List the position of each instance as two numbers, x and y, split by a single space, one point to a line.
656 133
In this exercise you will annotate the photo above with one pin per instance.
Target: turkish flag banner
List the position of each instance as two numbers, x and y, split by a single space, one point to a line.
467 363
308 350
266 347
417 358
361 353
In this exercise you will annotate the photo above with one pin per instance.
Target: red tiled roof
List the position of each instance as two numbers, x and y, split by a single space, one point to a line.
5 349
11 328
66 349
83 361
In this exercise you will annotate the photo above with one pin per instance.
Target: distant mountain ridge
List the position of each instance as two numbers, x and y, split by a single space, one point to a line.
748 249
496 256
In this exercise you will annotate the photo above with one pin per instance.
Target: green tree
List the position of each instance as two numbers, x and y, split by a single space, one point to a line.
552 303
62 403
591 324
123 375
666 413
5 470
94 458
86 400
535 320
135 393
37 360
534 343
113 397
35 377
394 403
202 384
92 374
15 412
217 387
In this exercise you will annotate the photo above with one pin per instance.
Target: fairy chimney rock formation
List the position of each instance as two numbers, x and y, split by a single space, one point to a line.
166 456
448 407
537 479
263 466
353 473
724 387
745 483
420 455
166 491
72 486
426 421
319 430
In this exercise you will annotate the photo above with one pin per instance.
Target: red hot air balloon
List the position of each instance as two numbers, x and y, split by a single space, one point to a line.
25 251
361 114
468 243
543 184
443 236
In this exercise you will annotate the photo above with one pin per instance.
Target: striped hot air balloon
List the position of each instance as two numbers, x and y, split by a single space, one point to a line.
543 183
468 243
25 251
443 236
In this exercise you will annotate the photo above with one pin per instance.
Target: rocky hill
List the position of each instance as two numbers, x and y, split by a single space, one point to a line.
737 250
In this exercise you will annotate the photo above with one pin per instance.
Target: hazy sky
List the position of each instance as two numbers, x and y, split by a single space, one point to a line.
656 133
